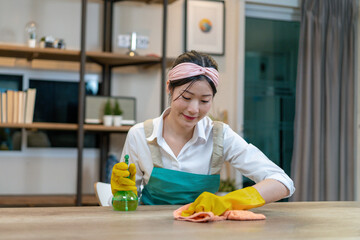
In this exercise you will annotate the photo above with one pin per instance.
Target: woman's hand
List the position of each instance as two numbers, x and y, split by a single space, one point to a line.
207 202
242 199
123 178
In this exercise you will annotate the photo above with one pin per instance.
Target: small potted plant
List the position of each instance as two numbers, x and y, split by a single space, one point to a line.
117 114
108 118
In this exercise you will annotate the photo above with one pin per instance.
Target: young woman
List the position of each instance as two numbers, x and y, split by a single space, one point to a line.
177 157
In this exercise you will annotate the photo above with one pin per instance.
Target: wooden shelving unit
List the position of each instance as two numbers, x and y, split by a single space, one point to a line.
107 60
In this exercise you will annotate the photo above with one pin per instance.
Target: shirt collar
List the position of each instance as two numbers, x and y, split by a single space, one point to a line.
158 124
199 131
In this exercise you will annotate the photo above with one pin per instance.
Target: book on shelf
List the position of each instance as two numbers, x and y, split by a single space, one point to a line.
0 108
17 106
30 105
3 107
22 101
10 105
1 116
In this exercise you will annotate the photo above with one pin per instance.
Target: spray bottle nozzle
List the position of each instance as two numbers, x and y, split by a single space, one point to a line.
126 159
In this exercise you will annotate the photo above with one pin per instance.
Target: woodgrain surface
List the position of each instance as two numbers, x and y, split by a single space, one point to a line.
307 220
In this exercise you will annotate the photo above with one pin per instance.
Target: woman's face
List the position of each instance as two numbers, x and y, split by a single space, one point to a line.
192 105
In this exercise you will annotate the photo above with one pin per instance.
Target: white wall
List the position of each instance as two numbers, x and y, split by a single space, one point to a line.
55 18
44 171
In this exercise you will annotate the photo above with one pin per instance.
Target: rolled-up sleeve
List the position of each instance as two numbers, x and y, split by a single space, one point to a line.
251 162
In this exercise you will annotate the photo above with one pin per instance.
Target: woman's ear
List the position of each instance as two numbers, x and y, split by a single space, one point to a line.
167 86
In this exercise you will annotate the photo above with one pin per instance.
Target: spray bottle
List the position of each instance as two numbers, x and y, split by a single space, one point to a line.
125 200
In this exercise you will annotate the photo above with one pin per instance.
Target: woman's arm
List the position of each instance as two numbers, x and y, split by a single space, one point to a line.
271 190
271 180
131 148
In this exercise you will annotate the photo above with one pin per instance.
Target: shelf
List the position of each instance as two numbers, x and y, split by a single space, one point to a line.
18 51
102 58
41 125
102 128
114 59
66 127
145 1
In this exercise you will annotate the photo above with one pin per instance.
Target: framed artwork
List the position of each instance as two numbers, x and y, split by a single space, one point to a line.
94 108
205 26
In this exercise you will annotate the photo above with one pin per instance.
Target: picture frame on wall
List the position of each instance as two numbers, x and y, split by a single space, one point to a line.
205 26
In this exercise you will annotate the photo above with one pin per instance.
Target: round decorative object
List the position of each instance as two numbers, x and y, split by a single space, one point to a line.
205 25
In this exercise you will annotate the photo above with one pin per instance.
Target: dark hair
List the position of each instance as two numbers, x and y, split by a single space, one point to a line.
200 59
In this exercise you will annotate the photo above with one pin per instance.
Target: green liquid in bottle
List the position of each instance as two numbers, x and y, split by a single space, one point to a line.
125 200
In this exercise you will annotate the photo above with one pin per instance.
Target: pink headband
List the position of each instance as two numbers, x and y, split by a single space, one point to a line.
185 70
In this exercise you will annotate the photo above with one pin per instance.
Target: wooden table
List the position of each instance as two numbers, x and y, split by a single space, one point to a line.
306 220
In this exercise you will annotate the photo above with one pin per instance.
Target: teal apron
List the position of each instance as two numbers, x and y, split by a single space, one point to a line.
166 186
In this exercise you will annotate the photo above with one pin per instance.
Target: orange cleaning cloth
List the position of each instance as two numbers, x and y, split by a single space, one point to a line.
239 215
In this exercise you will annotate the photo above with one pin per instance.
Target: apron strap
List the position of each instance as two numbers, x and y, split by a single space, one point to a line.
153 146
217 159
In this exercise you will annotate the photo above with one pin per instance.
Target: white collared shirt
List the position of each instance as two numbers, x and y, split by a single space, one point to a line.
195 156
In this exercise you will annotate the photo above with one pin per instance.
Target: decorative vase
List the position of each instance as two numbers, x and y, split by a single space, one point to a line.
108 120
32 43
117 120
30 29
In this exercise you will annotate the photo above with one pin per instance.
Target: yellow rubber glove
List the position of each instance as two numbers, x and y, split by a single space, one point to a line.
120 180
241 199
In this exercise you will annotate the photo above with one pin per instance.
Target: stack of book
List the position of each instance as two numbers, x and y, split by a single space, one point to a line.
17 106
